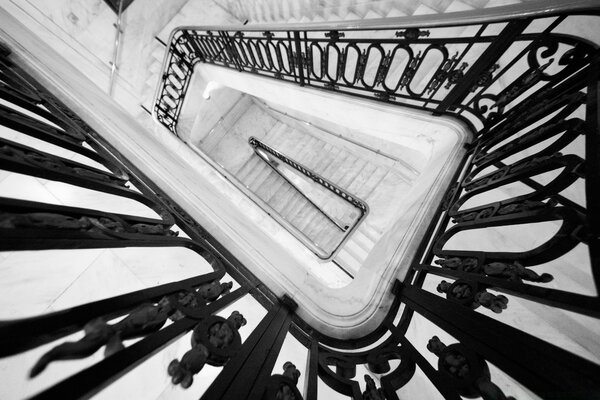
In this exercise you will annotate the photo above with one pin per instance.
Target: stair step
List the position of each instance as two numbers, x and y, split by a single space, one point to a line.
311 222
158 52
272 181
276 135
282 197
302 149
371 234
291 207
251 169
422 9
352 174
266 192
302 211
343 168
394 12
355 250
243 170
329 239
372 182
362 241
261 174
334 168
361 179
347 261
328 159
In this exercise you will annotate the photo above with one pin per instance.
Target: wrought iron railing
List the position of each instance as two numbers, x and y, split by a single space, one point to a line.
542 122
448 66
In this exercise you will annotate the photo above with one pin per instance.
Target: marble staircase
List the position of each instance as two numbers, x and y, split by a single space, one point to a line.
289 203
278 11
360 172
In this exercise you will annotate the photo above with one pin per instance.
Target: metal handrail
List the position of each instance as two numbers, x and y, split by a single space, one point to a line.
273 164
347 139
361 205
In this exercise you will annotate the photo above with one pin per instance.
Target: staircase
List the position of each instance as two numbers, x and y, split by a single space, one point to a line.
352 168
289 203
292 11
334 162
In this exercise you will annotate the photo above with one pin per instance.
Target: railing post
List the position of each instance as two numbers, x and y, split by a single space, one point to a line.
299 59
231 50
547 370
489 57
245 376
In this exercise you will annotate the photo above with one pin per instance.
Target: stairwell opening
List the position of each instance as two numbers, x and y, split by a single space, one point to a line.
396 170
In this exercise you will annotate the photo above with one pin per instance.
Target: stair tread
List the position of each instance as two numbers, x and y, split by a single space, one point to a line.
347 261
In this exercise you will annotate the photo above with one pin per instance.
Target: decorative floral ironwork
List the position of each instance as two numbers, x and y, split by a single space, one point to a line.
283 387
466 369
412 33
471 294
214 341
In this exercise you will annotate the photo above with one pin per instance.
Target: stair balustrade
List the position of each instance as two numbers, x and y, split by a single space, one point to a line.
541 120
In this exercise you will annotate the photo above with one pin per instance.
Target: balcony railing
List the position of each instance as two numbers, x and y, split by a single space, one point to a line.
544 120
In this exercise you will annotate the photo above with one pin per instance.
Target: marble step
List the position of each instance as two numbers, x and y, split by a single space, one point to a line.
268 11
347 261
352 173
272 185
276 134
281 197
320 230
292 207
301 212
309 222
371 235
250 169
256 178
363 189
357 248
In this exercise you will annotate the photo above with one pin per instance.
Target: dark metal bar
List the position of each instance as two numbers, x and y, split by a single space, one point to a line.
93 379
514 351
299 61
504 40
442 384
269 355
586 305
20 335
237 377
312 365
